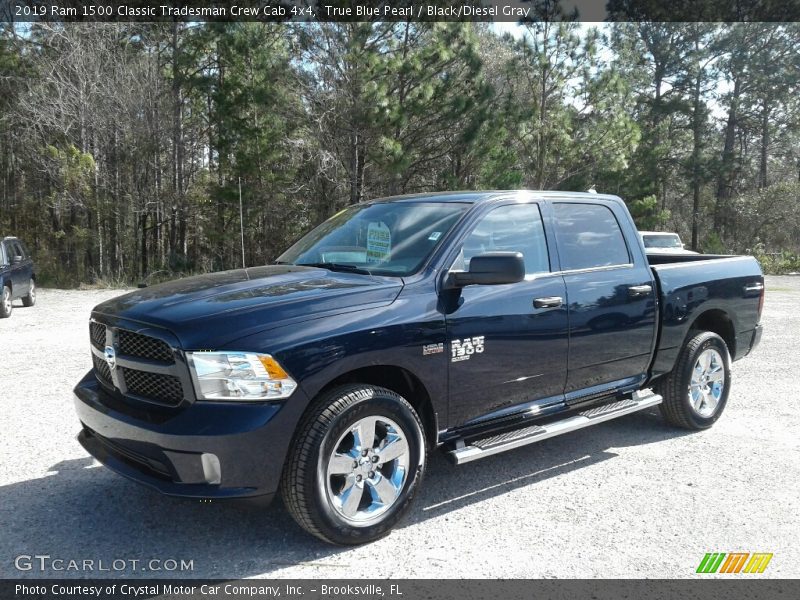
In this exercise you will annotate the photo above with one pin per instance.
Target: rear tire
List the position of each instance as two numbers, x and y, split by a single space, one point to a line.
30 298
696 391
5 303
355 465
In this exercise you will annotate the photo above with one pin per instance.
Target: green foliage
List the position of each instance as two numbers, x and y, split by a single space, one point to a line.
123 146
712 244
647 215
777 263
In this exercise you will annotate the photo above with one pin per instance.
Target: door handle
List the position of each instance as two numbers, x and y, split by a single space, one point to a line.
753 287
635 291
547 302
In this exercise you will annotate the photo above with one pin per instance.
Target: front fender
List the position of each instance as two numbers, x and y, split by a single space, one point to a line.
321 350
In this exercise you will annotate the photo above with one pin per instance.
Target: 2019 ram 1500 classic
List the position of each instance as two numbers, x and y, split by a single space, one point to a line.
17 275
473 321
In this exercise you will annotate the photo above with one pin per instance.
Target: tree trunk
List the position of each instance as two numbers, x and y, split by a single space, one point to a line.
697 126
355 167
727 173
762 171
143 252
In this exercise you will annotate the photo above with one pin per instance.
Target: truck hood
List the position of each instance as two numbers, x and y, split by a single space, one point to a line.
222 307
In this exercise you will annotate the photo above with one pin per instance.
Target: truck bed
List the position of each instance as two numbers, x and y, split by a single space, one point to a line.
691 286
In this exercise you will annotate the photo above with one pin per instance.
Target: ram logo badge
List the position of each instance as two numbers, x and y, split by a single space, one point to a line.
111 357
464 349
432 349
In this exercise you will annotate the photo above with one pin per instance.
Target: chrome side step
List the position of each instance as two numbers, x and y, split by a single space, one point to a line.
464 453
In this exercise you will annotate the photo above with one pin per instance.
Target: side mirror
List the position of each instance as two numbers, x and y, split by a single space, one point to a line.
492 268
16 260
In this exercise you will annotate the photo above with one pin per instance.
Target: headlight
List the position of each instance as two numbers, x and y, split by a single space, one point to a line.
239 376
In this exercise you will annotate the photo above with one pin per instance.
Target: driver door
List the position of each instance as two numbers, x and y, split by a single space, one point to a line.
507 343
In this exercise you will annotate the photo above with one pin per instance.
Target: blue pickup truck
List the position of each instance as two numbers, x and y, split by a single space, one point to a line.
472 322
17 275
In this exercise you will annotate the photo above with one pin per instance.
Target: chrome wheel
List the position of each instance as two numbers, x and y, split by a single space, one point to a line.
32 292
6 299
707 383
367 469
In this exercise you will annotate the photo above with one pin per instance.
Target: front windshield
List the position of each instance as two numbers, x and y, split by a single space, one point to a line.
385 238
662 241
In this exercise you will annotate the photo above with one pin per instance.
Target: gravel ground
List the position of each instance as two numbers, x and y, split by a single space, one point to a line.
629 498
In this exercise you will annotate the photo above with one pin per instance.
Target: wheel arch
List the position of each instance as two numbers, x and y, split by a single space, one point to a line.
717 321
399 380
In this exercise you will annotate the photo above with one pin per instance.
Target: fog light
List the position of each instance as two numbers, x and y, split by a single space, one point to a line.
211 469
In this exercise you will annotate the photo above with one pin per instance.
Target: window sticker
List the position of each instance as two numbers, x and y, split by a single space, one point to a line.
379 242
435 236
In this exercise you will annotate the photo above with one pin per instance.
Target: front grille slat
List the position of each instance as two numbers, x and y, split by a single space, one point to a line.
138 382
165 389
144 346
101 370
97 333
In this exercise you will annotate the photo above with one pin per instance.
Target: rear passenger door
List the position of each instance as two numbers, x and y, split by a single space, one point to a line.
12 270
611 296
22 271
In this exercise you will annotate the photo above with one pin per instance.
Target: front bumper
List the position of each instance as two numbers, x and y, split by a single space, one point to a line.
172 451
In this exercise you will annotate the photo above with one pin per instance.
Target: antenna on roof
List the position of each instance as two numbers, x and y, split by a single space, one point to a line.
591 190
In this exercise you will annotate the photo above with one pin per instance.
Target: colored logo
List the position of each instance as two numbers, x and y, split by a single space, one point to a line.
734 562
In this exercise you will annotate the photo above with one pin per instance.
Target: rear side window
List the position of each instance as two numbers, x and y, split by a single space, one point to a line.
588 236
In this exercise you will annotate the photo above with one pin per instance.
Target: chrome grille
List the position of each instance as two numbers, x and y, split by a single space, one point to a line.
164 389
144 346
97 332
101 370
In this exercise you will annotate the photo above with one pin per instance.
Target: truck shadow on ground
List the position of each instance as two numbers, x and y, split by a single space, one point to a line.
85 512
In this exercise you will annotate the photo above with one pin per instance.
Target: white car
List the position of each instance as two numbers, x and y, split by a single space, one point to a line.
663 242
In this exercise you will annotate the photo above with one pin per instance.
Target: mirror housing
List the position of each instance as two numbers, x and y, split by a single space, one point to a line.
492 268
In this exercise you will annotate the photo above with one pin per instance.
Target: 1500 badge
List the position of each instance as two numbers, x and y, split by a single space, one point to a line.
463 349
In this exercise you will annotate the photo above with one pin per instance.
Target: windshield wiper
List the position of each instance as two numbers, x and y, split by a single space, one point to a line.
331 266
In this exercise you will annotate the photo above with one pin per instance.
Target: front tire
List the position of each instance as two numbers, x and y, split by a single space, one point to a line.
696 391
30 298
355 465
5 303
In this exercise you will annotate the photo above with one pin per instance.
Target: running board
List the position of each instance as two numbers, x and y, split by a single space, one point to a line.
464 453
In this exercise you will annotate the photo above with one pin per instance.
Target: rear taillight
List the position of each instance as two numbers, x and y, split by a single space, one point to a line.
761 302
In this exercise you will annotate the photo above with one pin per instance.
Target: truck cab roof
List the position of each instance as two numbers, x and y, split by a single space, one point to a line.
472 196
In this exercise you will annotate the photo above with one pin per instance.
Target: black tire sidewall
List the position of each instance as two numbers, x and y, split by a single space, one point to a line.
380 404
710 340
3 312
29 300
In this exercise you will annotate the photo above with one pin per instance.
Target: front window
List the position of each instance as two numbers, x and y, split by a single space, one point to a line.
510 228
385 238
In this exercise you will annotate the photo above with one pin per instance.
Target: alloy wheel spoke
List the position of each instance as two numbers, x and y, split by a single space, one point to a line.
351 498
395 448
364 433
697 398
340 464
384 489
